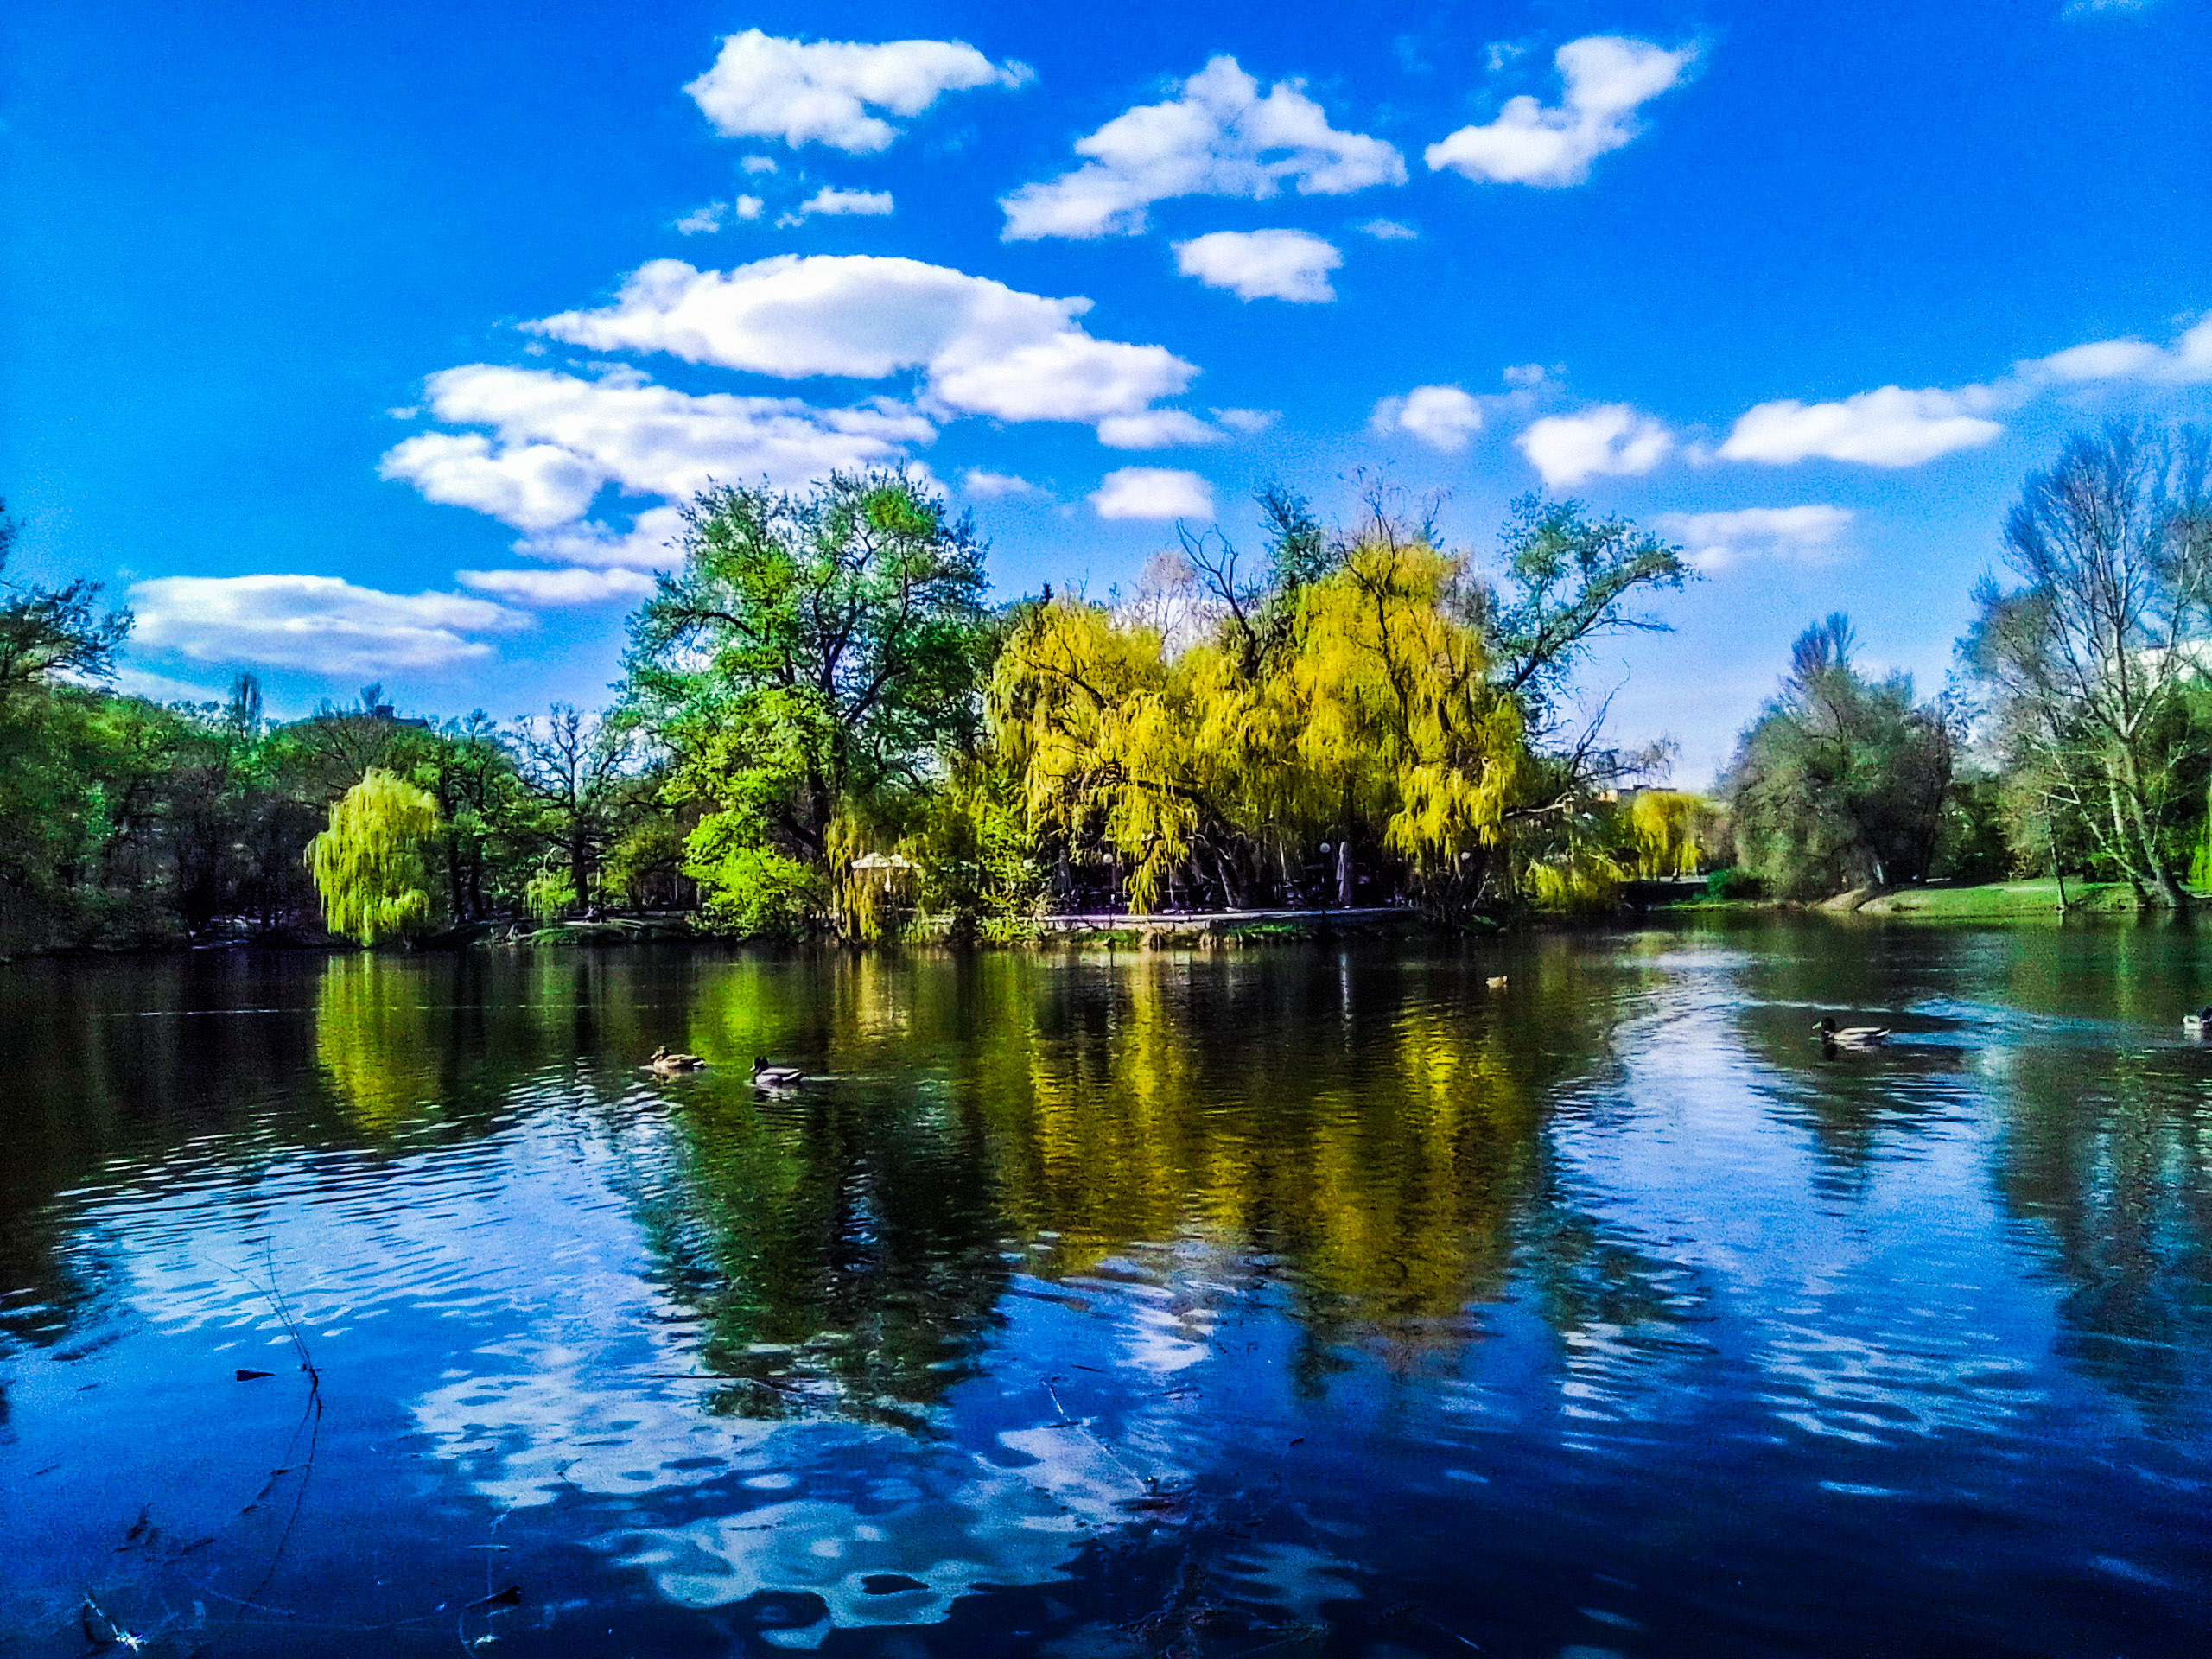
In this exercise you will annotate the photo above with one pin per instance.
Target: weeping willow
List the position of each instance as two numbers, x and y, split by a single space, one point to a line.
1665 832
368 864
1371 715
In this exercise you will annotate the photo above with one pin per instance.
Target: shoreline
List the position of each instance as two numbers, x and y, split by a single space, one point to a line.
2033 900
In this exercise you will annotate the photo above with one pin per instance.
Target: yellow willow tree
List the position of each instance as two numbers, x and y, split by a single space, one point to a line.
1102 730
1666 832
368 864
1372 715
1399 725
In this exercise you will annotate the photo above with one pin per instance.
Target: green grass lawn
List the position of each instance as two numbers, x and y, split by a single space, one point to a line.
2003 898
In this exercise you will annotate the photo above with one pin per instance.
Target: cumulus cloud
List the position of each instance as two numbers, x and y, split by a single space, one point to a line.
1887 427
824 92
318 623
556 438
2187 361
1263 264
1386 230
1155 428
1443 417
863 203
995 487
1217 136
1250 422
1152 492
653 541
1715 541
529 486
1611 438
1606 79
705 220
551 588
986 348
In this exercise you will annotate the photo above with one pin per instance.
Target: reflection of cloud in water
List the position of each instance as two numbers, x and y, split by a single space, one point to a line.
519 1437
1831 1383
902 1564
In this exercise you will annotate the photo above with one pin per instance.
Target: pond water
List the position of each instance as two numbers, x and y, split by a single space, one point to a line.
1298 1301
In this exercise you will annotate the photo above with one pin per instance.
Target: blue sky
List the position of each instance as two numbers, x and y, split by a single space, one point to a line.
360 343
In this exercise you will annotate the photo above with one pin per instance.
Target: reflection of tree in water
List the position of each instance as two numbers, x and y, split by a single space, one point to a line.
841 1253
2118 1170
1369 1127
373 1038
1367 1130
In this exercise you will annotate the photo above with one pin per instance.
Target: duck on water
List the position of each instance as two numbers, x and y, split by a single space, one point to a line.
1834 1036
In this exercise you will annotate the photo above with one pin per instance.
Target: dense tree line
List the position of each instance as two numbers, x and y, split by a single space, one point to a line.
126 822
2079 735
822 726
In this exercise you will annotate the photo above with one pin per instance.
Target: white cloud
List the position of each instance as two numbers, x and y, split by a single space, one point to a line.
1217 136
557 438
1263 264
1610 438
995 487
570 586
1443 417
851 202
1888 427
1155 428
1522 376
703 221
762 87
529 486
653 541
747 206
1714 541
987 348
759 164
317 623
1152 492
1607 78
1248 421
2186 362
1386 230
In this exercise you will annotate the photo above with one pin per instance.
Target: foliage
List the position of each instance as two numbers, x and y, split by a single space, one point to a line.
48 633
808 664
549 895
1840 781
368 864
1369 718
1666 832
975 856
2091 663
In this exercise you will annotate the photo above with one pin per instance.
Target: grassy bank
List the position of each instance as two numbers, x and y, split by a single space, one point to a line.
1998 901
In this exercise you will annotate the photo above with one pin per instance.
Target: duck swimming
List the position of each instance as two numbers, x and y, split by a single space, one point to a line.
1834 1036
668 1064
2198 1024
765 1075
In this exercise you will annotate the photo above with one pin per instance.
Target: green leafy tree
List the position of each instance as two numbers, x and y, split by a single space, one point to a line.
369 864
2091 664
1841 780
804 671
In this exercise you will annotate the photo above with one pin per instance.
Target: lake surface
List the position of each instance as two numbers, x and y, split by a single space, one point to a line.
1295 1301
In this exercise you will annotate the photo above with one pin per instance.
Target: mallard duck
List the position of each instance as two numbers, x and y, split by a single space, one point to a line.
765 1075
2198 1024
1834 1036
668 1064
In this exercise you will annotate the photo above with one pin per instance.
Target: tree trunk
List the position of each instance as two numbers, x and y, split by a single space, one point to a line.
2163 888
1344 873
